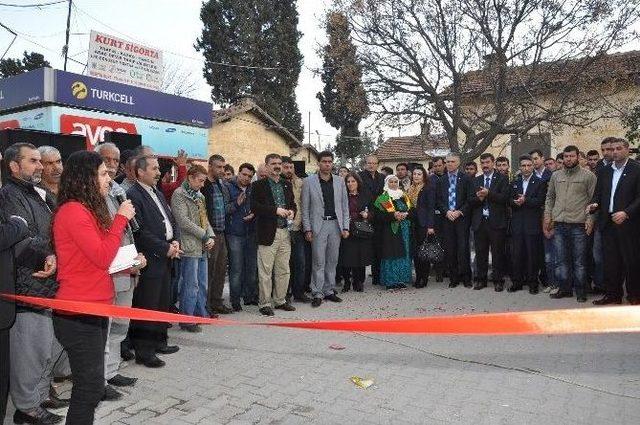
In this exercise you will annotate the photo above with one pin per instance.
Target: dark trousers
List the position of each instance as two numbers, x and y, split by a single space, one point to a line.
152 293
297 265
84 338
4 372
456 242
422 269
355 276
217 271
488 238
621 260
525 257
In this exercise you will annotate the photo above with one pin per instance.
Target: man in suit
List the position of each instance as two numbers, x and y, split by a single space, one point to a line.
527 195
617 200
325 218
489 222
539 169
157 239
452 199
273 204
597 253
373 182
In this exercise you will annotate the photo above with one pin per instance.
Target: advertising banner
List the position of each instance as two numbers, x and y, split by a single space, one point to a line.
24 89
33 119
94 93
115 59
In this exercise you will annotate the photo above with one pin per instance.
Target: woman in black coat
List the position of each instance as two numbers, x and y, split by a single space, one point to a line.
422 196
356 253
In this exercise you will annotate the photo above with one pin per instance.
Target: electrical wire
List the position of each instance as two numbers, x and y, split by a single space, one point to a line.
51 3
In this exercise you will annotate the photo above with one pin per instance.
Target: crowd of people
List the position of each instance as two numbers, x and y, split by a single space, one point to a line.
565 226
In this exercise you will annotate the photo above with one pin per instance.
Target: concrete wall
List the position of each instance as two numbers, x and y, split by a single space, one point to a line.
304 154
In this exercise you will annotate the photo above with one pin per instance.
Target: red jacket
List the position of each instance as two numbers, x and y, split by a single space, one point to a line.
169 188
85 252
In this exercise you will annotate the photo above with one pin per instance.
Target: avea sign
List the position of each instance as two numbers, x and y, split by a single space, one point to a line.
93 129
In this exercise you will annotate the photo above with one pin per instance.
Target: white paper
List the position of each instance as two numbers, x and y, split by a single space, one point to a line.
125 258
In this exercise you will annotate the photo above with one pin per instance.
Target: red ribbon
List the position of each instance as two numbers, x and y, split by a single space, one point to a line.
573 321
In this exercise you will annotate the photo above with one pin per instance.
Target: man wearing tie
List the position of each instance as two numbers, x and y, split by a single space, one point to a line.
157 239
617 200
452 198
527 196
489 222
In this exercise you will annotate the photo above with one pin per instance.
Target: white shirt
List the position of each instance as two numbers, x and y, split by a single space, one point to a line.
167 222
617 173
540 172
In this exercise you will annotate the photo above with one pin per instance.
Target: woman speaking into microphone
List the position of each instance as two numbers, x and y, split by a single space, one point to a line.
86 242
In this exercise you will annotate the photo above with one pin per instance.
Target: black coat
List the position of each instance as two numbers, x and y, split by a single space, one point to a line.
423 213
626 197
526 219
373 185
12 231
358 252
464 191
20 198
151 238
264 207
497 200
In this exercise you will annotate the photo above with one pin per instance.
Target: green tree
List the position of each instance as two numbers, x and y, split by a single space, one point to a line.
29 62
260 40
631 122
343 100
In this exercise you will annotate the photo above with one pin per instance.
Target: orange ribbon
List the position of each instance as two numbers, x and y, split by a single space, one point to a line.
573 321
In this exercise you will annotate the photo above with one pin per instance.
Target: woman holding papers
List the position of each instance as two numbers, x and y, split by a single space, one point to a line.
86 242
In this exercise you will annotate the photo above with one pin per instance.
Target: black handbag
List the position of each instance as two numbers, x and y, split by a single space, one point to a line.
430 251
361 229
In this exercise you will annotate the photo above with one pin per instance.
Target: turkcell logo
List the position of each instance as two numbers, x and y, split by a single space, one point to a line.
80 91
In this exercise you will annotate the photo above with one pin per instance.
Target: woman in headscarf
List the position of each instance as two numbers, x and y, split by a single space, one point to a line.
421 194
392 211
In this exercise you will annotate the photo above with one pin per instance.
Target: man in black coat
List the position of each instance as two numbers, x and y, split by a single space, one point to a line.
452 199
489 222
273 204
527 196
158 240
617 200
12 230
373 184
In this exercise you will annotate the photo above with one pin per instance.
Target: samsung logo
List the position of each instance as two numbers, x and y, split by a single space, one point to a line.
170 130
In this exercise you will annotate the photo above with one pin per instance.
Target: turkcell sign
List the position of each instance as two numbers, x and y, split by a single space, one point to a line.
22 90
102 95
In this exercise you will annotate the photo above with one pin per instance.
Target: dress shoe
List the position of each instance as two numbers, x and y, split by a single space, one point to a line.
533 289
38 416
345 288
191 327
358 286
151 362
439 277
515 287
221 309
498 286
267 311
581 298
453 284
122 381
167 349
561 294
302 299
479 285
127 355
54 403
285 307
316 302
597 291
236 307
111 394
467 284
608 299
333 298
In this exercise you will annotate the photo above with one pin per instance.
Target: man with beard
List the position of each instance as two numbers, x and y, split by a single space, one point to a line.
34 347
502 166
51 168
570 191
402 173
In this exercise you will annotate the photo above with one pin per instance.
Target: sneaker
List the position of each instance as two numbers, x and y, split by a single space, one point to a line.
316 302
267 311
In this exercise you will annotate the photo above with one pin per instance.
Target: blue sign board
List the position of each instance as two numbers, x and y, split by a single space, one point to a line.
24 89
102 95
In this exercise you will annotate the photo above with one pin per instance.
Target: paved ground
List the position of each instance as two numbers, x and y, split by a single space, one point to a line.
256 375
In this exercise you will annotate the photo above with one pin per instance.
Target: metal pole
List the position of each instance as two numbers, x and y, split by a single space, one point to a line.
66 41
309 129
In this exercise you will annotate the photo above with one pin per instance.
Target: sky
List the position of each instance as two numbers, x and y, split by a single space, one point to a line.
169 25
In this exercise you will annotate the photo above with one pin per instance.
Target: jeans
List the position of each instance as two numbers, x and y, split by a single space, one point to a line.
84 338
570 241
193 287
297 265
598 266
550 260
243 268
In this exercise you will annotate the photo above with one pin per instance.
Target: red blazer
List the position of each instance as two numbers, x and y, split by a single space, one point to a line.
85 252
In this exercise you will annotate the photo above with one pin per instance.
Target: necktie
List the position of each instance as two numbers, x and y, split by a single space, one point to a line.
452 192
485 209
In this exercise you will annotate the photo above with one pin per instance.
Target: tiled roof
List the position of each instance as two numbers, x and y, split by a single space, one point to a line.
549 74
410 148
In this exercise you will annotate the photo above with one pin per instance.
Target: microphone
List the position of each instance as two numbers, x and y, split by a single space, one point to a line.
133 223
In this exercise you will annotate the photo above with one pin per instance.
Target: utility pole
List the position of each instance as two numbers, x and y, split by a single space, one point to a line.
66 41
309 129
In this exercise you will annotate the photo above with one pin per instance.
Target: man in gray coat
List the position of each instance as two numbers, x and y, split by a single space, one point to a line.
325 218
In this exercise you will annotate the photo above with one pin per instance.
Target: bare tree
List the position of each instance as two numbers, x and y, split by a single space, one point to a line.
180 80
481 68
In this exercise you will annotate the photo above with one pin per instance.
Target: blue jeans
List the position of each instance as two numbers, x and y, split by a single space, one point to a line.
549 260
243 268
297 265
193 287
571 257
